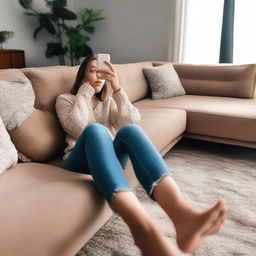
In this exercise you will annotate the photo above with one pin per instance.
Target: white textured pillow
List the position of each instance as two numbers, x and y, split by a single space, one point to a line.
8 152
16 101
163 81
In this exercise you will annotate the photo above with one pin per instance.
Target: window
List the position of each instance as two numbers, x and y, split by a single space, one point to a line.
202 33
245 31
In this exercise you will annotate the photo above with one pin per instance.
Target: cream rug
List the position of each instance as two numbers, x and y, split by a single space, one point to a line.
204 172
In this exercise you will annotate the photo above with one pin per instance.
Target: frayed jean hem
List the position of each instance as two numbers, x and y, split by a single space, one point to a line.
155 183
110 202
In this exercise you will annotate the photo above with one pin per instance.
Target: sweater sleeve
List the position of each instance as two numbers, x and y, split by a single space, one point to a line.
122 111
75 113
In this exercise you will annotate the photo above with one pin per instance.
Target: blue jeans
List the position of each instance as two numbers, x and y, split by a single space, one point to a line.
95 153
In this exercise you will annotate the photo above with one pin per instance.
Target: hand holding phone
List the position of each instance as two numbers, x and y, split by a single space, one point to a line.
101 57
109 73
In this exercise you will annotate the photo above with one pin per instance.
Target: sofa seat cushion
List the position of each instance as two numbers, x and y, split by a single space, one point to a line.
224 117
52 210
162 125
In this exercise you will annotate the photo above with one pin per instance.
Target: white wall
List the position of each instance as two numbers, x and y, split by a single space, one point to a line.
134 30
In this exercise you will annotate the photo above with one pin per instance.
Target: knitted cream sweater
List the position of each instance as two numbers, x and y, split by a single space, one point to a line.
75 112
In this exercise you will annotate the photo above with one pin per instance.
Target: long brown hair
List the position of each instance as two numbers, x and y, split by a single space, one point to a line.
103 94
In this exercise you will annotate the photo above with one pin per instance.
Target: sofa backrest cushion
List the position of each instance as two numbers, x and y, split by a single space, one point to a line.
49 82
11 74
39 137
217 80
132 79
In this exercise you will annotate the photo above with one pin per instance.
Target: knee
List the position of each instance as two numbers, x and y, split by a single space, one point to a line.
129 130
94 128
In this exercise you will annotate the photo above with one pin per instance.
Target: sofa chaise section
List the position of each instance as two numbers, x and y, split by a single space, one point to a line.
221 117
46 210
215 116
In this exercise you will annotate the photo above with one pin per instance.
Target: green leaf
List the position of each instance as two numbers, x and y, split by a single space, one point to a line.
63 13
82 51
78 27
26 4
46 23
5 35
55 49
75 38
37 31
66 14
89 29
89 16
56 3
62 3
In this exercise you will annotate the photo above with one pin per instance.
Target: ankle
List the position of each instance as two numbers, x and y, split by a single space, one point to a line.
144 229
144 237
182 212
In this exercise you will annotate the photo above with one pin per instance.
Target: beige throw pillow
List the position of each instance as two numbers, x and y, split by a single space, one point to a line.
8 152
16 102
163 81
16 105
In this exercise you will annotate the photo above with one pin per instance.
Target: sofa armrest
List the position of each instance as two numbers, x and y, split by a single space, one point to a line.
217 79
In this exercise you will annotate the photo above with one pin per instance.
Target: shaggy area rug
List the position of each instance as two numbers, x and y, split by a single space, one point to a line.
204 172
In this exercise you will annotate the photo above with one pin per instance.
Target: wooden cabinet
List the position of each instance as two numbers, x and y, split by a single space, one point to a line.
12 59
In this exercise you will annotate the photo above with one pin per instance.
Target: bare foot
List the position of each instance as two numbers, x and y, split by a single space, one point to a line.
194 226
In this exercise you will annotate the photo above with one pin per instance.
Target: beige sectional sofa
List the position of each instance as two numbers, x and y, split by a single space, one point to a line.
46 210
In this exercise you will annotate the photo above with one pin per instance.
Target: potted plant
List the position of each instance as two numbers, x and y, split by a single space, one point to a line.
68 40
4 36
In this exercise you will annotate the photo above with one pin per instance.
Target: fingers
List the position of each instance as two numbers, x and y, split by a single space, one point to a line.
110 65
105 76
108 74
105 71
111 68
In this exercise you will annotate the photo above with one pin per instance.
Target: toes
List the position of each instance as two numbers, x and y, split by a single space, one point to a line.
213 215
223 205
216 225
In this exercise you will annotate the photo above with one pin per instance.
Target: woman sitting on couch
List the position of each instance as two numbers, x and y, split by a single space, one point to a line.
102 134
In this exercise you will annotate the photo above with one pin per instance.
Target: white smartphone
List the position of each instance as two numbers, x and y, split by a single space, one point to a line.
101 57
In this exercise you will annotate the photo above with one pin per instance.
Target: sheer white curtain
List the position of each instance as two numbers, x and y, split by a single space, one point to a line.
175 50
202 31
245 31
